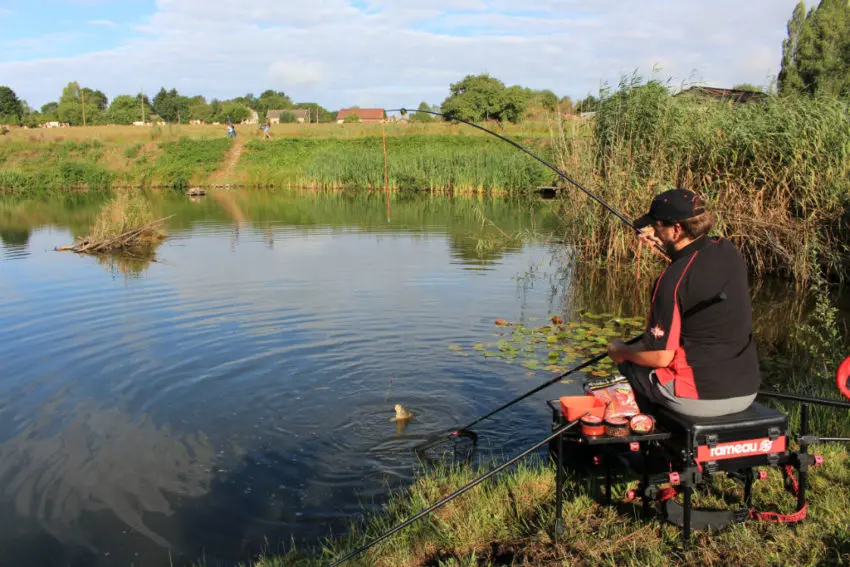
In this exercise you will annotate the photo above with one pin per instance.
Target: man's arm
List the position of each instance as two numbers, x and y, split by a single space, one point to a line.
640 355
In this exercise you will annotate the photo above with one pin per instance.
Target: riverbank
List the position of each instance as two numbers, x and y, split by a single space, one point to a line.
440 157
507 521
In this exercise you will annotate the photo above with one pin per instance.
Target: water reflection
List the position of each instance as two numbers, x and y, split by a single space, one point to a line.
15 242
67 465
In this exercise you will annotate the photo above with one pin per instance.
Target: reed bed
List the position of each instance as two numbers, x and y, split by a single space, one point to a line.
415 162
775 172
126 224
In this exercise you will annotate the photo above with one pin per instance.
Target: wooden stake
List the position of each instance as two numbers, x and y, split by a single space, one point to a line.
386 171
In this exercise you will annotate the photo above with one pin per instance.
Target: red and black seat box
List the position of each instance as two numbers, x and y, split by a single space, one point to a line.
754 437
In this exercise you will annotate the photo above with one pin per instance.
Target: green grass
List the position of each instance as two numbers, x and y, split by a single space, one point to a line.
186 161
415 161
507 521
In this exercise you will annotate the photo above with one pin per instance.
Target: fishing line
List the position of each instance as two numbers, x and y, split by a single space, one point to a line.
464 431
560 173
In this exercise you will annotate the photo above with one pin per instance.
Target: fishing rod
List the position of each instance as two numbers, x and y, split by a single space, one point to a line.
464 431
454 494
560 173
841 376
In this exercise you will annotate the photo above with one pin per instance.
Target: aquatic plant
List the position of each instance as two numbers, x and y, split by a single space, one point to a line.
555 347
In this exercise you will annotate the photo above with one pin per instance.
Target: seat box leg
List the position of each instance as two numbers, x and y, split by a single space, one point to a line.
686 528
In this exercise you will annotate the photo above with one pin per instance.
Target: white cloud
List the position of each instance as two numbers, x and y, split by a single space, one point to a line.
106 23
394 52
295 72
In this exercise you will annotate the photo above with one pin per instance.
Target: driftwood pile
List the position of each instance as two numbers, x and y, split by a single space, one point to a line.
140 237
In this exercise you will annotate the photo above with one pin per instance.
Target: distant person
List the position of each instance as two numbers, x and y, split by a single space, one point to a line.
266 127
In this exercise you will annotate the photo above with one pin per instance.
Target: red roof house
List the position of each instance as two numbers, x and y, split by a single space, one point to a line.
366 115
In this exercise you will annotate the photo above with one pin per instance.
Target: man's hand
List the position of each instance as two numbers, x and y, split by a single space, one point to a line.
647 235
617 351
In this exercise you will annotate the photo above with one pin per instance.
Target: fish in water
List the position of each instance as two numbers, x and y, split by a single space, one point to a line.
401 414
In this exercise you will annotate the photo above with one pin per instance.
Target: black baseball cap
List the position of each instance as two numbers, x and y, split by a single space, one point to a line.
671 207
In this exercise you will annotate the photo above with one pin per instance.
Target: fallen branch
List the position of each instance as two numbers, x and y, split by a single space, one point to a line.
137 237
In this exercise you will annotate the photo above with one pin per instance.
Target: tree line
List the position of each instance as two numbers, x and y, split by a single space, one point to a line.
815 62
82 105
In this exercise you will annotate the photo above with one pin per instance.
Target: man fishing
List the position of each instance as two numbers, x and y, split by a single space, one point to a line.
697 356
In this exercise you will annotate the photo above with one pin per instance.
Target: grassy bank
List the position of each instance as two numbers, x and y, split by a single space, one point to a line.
415 161
433 156
507 521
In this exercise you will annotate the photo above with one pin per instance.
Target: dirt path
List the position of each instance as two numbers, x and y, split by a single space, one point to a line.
225 172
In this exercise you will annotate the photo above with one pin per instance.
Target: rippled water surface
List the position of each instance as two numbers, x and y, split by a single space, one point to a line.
237 393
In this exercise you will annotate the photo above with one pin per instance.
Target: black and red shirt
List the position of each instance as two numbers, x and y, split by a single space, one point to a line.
715 353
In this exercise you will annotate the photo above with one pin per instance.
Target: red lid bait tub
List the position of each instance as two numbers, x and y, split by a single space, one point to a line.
592 426
641 424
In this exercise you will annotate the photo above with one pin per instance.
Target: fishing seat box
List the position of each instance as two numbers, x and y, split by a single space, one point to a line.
756 436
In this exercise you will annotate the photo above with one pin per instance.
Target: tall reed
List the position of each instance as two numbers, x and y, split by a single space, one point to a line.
433 162
776 172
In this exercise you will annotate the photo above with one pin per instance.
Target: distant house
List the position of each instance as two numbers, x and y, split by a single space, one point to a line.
366 115
727 95
301 115
253 118
195 122
273 116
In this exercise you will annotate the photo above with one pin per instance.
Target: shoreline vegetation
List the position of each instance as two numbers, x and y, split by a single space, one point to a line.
508 521
124 225
776 170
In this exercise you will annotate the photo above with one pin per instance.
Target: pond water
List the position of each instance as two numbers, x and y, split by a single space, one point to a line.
237 393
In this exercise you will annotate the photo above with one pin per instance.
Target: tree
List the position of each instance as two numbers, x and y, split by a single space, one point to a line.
789 79
565 105
70 107
816 54
482 97
587 104
248 100
200 110
236 111
11 108
272 100
97 98
49 107
544 99
747 87
71 93
171 106
324 114
126 109
420 116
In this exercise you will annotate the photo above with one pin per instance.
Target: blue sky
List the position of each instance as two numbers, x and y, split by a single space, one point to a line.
380 52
